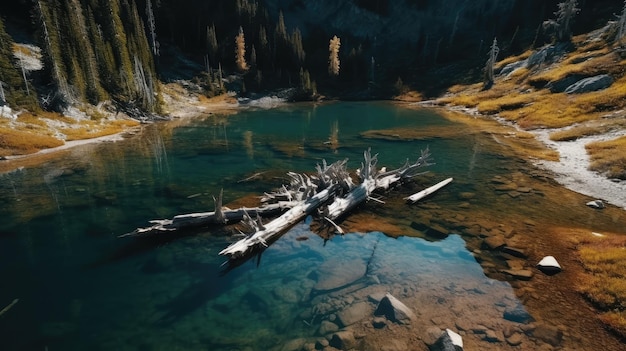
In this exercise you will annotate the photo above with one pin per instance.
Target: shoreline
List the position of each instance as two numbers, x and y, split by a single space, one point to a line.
571 171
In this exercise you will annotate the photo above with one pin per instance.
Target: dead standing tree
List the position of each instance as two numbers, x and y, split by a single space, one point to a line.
491 61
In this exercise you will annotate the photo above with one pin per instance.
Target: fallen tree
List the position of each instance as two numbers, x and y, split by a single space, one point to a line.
329 194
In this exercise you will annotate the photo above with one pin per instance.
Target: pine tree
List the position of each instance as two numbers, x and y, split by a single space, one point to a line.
212 46
562 25
83 58
333 60
14 90
297 48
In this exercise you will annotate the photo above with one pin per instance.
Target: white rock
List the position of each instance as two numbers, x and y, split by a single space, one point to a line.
457 340
549 265
596 204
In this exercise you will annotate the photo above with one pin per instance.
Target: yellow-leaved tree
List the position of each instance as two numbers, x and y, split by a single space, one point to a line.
240 51
333 59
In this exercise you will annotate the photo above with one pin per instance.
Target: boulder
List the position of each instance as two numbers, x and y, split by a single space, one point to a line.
515 339
517 314
519 274
394 310
549 265
508 69
327 327
559 86
539 57
431 336
354 313
513 251
586 85
494 242
547 54
448 341
548 334
598 204
343 340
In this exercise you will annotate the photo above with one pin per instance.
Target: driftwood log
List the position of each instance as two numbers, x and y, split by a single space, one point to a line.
330 192
336 181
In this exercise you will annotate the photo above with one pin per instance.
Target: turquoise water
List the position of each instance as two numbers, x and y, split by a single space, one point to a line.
81 287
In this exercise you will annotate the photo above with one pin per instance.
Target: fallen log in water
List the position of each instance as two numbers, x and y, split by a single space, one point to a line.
221 215
338 176
422 194
330 192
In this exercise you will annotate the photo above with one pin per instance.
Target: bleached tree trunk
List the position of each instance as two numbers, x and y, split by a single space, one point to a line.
621 27
144 85
152 28
337 176
3 99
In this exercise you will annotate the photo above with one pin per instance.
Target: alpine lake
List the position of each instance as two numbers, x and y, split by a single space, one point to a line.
462 259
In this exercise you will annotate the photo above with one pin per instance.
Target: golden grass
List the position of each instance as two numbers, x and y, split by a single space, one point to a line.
594 127
605 285
512 59
17 142
609 157
508 102
575 133
88 129
605 63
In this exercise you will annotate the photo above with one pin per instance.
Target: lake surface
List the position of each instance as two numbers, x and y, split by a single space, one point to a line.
81 287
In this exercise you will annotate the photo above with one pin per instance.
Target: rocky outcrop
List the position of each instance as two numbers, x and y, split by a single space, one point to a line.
590 84
559 86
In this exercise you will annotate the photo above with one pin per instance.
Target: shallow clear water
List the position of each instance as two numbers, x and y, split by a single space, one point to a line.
80 287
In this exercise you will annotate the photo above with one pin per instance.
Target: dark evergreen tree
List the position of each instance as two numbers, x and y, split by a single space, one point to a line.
14 88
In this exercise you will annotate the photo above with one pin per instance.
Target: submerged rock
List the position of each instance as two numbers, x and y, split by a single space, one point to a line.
446 341
343 340
335 274
354 313
327 327
394 310
517 314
